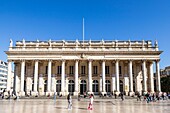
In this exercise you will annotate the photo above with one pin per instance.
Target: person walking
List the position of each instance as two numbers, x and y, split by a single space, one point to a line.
90 107
69 101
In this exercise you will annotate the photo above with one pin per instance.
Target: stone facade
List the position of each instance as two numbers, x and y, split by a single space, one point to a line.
3 75
165 72
45 67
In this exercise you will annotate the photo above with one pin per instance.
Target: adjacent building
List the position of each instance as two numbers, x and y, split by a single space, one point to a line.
44 67
3 75
165 72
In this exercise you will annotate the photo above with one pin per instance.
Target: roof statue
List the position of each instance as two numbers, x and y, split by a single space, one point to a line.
156 43
11 43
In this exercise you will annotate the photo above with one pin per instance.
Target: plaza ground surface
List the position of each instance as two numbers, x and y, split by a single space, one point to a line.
100 106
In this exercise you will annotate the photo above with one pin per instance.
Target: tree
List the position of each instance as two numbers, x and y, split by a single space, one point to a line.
165 84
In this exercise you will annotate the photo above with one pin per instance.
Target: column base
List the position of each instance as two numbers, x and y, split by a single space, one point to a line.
35 93
126 93
22 93
152 92
63 93
117 93
89 92
49 93
41 93
76 93
131 93
103 93
159 91
144 92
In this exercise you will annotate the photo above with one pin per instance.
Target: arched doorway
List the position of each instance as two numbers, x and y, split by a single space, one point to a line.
71 87
95 87
121 86
134 86
82 86
155 85
58 86
33 85
108 87
45 86
25 87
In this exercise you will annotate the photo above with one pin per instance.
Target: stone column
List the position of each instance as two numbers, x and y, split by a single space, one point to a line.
35 77
131 78
151 78
103 78
113 84
49 77
53 84
158 81
138 79
90 76
76 78
144 76
9 75
126 85
14 82
63 78
117 76
22 77
41 86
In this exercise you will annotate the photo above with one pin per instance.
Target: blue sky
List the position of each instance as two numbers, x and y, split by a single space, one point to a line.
104 19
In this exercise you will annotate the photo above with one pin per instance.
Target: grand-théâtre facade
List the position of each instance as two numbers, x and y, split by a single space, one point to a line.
98 67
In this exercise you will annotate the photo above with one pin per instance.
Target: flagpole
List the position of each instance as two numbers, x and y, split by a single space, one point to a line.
83 31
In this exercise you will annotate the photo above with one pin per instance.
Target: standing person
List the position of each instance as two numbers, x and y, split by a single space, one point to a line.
54 97
69 101
30 93
153 97
138 96
3 94
115 94
147 97
91 102
168 95
79 97
122 96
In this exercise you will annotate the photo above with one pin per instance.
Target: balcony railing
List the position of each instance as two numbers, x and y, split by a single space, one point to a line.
95 75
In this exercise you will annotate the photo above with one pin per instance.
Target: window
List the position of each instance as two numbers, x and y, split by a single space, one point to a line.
106 69
133 71
46 70
83 69
59 70
95 70
58 86
168 72
71 68
33 69
120 70
25 70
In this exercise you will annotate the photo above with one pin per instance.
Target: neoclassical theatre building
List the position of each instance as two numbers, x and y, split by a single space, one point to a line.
98 67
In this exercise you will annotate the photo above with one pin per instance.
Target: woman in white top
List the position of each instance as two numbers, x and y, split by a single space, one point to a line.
91 102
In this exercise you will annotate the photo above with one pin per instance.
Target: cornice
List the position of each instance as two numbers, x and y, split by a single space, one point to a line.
83 52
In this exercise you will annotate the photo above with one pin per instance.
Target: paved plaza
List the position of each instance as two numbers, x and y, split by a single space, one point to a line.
100 106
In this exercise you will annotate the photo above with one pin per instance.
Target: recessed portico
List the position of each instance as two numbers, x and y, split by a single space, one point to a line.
96 67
